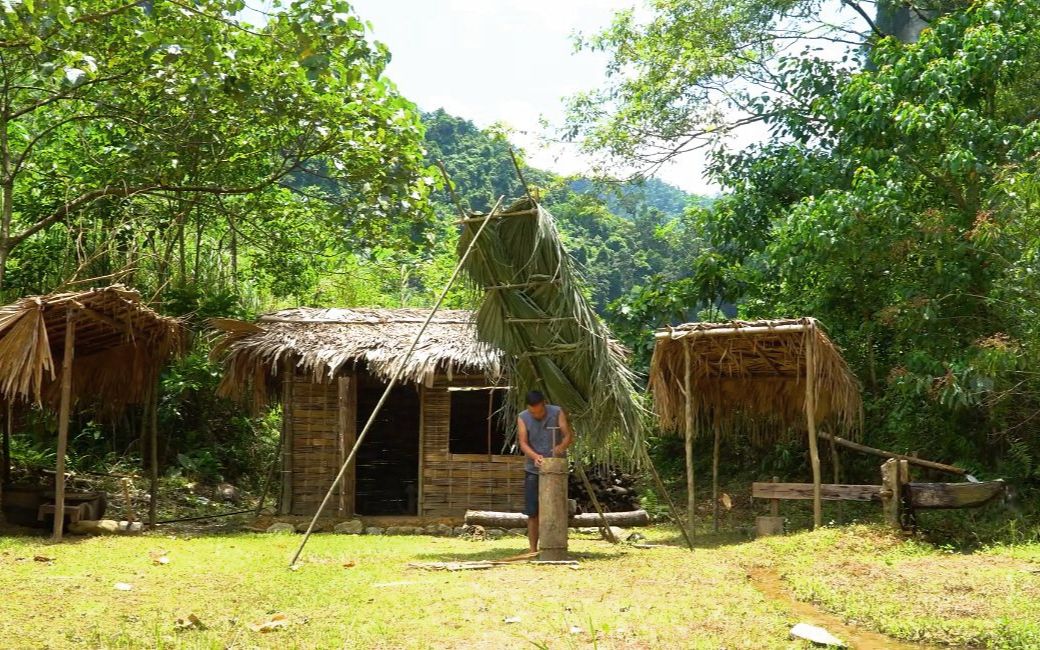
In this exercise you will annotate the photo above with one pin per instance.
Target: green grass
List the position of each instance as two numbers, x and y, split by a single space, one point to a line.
620 597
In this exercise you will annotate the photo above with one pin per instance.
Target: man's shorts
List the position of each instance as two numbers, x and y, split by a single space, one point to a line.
530 494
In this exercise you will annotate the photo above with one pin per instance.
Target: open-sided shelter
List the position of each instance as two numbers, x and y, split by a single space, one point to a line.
765 378
109 345
441 444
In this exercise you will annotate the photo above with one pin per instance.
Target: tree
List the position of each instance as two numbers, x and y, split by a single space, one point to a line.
169 107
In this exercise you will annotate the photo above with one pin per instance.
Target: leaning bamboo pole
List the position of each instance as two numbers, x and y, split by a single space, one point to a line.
398 370
63 422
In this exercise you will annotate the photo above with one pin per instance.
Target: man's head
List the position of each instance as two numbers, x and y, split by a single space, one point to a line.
536 403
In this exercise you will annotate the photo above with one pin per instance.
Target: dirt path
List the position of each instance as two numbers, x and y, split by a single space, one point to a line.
769 583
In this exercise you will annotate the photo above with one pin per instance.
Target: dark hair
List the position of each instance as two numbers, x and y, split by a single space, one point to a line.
535 397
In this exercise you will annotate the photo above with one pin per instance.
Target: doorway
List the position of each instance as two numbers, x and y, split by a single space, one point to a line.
387 468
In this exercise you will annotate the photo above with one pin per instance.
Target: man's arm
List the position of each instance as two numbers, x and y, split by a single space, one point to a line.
521 435
568 435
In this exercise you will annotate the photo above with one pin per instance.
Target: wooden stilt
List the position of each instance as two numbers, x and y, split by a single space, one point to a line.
153 451
63 423
667 497
810 419
285 500
691 430
715 479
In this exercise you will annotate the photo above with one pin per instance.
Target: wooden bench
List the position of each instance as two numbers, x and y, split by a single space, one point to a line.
74 513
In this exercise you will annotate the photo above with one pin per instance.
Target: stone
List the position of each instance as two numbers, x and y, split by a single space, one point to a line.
518 532
373 530
458 531
228 493
495 533
438 530
620 534
281 527
816 635
403 530
94 527
588 531
352 527
131 527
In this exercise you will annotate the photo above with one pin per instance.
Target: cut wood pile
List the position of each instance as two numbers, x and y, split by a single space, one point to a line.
615 489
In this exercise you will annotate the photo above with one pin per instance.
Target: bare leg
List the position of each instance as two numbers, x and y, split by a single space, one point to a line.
532 533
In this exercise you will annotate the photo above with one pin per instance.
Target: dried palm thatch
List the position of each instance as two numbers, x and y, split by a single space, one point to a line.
323 342
750 377
534 310
120 346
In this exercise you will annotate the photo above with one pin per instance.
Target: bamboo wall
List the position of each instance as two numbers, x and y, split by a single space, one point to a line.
320 425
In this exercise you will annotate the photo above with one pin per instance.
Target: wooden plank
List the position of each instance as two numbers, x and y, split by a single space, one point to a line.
828 491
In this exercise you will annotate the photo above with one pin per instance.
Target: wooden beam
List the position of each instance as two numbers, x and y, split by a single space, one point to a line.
625 519
63 422
913 460
806 491
729 331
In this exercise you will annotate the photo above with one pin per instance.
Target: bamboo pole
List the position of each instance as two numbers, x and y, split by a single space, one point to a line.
810 419
836 468
63 422
715 479
393 382
286 496
691 426
667 497
604 525
153 450
913 460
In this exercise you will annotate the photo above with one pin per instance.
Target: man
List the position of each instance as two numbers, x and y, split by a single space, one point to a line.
543 432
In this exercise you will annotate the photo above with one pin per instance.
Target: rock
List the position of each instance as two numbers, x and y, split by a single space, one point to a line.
373 530
473 532
635 537
816 635
94 527
588 531
398 530
131 527
281 527
438 530
352 527
228 493
458 531
518 532
495 533
619 533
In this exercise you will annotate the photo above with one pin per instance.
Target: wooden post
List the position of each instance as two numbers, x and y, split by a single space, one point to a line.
5 476
810 419
772 524
691 429
552 510
63 422
285 501
836 468
667 497
153 450
891 492
715 479
774 504
347 435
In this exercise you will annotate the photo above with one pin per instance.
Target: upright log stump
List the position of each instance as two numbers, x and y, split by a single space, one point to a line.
552 510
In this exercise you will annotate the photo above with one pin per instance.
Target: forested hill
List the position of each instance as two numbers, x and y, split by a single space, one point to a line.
623 234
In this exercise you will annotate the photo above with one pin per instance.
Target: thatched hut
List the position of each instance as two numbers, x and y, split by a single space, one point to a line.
439 446
765 378
110 347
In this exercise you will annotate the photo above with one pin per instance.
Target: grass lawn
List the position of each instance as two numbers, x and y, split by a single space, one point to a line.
356 591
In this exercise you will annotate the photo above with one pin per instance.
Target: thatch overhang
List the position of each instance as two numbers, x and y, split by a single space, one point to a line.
119 347
535 311
323 343
751 376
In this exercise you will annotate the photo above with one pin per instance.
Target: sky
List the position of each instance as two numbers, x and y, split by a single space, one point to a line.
504 61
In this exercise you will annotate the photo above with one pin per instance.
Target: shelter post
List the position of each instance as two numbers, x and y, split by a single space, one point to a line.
810 420
691 428
715 478
153 452
63 422
285 500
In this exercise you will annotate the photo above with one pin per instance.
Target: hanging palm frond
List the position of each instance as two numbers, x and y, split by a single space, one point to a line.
534 310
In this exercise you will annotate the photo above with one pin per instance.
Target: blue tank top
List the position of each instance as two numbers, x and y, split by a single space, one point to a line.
541 433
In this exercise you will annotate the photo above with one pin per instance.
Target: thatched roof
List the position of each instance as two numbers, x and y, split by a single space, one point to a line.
534 310
324 342
120 346
751 376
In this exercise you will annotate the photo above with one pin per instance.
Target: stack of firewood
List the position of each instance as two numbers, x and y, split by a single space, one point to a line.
615 490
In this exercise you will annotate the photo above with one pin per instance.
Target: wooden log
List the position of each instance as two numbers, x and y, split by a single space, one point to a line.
489 519
769 526
891 492
552 510
954 495
63 422
153 453
806 491
724 331
913 460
